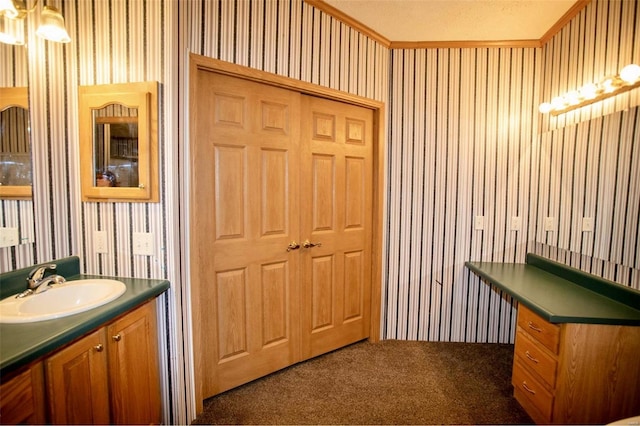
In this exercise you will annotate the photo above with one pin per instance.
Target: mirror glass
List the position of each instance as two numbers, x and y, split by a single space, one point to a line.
15 148
118 126
15 144
115 135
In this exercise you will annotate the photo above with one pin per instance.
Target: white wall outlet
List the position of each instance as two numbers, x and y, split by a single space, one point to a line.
478 223
587 224
549 223
143 243
516 223
100 242
9 237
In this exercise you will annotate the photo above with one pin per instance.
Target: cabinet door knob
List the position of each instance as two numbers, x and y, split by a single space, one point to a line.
116 338
98 347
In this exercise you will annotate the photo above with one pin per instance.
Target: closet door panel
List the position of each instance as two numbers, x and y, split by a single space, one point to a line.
336 191
244 186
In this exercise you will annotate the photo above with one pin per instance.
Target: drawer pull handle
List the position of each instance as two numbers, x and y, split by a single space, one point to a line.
531 357
98 347
534 327
528 389
116 338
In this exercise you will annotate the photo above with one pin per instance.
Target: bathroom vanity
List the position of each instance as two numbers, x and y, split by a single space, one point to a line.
577 342
98 366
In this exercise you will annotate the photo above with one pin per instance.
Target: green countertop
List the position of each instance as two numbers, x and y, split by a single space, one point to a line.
23 343
561 294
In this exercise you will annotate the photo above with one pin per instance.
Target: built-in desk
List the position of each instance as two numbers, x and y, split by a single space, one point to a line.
577 349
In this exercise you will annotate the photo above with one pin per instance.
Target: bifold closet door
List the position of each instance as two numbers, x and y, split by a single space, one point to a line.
336 219
281 217
245 189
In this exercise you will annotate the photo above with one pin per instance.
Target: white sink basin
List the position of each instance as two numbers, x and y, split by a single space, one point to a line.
61 300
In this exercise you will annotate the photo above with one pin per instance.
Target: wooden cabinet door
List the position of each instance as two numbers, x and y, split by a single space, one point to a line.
77 385
336 196
133 368
22 397
244 186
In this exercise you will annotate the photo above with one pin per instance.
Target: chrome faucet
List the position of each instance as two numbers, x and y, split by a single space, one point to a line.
38 283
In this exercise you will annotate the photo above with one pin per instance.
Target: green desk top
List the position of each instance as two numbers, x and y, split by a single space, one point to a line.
23 343
561 294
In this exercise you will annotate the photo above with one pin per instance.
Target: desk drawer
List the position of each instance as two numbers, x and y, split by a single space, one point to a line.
532 390
543 331
535 358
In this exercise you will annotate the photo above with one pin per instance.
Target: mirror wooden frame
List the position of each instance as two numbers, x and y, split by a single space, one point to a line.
144 97
15 96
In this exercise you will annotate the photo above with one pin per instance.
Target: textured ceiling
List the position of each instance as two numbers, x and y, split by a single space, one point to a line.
456 20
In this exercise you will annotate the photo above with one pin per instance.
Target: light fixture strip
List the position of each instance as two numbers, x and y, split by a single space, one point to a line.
628 79
598 98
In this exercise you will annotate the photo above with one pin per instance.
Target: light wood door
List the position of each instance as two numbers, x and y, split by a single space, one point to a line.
336 213
77 383
244 213
133 368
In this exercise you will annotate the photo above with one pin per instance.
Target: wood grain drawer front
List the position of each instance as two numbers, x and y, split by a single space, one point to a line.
535 358
533 390
543 331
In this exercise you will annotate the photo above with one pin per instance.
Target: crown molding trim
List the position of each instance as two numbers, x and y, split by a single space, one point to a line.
564 20
452 44
346 19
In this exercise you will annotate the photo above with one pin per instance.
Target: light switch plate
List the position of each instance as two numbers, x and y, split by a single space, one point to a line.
549 223
587 224
478 223
143 243
516 223
9 237
100 242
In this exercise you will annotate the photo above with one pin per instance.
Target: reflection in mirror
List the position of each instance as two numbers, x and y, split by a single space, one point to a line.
118 126
15 146
116 146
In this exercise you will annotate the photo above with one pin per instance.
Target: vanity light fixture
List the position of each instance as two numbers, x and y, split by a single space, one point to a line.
13 14
629 78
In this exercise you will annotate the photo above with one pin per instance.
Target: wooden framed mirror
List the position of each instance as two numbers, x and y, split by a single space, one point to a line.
119 142
15 145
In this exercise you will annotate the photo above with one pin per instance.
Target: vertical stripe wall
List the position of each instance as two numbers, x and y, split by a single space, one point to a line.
461 137
589 157
16 213
464 140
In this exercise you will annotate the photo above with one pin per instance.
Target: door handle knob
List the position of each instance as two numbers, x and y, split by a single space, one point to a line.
293 246
309 244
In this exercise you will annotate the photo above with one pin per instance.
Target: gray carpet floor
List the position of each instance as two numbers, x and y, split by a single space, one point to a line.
391 382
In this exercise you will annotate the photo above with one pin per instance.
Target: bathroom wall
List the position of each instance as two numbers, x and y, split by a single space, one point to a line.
14 72
466 139
590 157
462 131
461 138
113 41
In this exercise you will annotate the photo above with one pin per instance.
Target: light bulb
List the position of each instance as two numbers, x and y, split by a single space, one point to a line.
608 86
52 26
572 97
558 103
630 74
8 9
545 107
11 31
589 91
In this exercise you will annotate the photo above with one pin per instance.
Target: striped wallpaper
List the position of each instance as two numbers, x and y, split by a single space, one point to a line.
460 144
601 40
464 140
16 213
